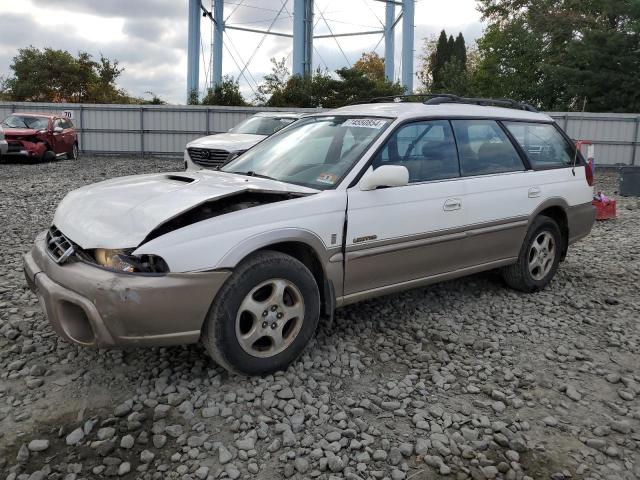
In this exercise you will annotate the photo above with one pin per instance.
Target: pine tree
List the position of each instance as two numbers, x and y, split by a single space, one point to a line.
439 59
461 51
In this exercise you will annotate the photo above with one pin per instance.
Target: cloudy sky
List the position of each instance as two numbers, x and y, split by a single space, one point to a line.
149 37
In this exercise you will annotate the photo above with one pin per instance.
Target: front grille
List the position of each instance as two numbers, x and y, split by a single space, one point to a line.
59 247
14 147
207 157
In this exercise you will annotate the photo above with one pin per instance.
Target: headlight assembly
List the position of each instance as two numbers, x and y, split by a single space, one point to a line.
121 260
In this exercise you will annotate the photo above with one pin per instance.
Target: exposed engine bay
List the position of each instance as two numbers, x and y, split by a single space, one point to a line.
220 206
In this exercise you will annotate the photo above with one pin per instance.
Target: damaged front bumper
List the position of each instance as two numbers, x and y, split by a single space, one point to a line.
95 307
25 148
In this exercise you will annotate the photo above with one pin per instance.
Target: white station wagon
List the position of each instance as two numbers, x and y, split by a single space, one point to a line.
338 207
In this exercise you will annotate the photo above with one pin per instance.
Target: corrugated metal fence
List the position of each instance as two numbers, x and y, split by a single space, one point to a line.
165 129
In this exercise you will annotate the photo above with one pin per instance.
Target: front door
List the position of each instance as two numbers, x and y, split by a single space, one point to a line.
59 138
396 235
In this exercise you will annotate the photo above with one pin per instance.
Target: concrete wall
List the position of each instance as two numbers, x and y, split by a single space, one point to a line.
165 129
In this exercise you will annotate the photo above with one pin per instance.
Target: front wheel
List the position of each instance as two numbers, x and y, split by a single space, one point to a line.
539 257
264 315
48 156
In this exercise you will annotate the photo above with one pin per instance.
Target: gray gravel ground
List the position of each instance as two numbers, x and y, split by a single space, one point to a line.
466 379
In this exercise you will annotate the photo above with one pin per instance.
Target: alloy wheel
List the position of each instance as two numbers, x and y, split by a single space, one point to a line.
270 318
542 254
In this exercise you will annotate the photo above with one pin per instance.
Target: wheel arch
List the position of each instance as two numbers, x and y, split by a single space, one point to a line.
556 209
304 246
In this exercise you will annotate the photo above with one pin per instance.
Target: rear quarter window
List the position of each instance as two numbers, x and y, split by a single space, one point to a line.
543 144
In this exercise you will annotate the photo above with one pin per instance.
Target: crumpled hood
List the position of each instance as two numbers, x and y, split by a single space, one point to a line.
120 213
19 132
230 142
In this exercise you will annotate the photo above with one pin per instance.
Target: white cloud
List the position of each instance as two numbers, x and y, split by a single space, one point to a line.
149 37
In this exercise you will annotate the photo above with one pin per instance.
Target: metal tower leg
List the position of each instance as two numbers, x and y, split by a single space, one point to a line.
389 41
407 44
302 37
218 18
193 49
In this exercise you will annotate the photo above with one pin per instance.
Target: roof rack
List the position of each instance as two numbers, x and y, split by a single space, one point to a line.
440 98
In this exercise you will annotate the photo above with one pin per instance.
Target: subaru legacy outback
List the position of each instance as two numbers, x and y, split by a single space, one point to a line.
338 207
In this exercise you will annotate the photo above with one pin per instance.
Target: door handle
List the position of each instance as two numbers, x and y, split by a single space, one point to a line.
452 204
534 192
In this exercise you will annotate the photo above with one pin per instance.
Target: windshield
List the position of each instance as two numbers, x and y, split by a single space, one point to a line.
262 125
24 121
315 152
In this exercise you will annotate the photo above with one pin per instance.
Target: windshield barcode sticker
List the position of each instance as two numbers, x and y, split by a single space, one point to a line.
365 123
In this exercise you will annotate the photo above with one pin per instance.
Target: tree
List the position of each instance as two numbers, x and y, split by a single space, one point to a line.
444 65
355 85
372 65
274 82
226 93
4 89
563 52
359 83
510 63
309 91
51 75
155 100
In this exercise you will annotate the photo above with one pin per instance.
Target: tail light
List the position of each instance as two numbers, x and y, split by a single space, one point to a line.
588 170
590 166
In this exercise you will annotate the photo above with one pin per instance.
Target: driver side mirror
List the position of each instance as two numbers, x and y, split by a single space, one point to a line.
58 130
384 176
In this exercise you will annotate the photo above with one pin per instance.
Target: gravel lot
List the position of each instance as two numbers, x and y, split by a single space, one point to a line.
465 379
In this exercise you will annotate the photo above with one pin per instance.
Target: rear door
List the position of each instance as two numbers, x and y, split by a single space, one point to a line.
497 188
401 234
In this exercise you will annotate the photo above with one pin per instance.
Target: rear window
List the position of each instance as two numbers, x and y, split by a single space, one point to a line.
484 148
543 144
259 125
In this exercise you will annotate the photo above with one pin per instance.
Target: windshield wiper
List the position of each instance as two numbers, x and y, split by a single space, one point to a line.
251 173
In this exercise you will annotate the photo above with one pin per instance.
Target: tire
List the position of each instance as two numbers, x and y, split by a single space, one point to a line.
74 154
538 260
264 315
48 156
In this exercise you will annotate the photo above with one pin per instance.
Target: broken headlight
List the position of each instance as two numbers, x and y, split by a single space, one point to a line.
121 260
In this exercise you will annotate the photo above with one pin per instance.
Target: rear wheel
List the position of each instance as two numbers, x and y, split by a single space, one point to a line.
539 257
74 154
264 315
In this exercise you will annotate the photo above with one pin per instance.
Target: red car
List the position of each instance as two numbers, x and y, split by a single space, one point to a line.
40 136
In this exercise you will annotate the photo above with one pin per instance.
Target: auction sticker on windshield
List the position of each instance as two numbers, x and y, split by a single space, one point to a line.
365 123
328 178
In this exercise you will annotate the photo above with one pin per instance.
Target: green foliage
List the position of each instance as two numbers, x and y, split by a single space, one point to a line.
310 91
510 63
444 65
557 53
359 83
51 75
155 100
226 93
192 98
274 82
356 85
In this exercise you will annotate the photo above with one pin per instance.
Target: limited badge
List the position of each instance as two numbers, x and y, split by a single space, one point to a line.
328 178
